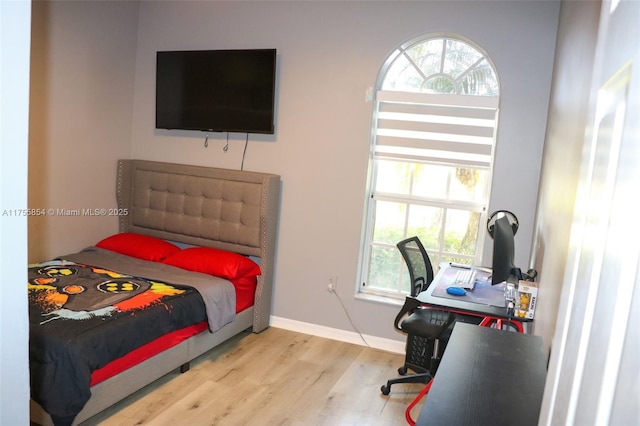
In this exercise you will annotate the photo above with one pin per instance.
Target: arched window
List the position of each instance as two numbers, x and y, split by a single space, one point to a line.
434 128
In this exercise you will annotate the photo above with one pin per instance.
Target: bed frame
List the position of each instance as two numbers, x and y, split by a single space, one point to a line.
226 209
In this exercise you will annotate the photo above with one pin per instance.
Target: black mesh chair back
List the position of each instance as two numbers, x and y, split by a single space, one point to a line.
425 328
418 264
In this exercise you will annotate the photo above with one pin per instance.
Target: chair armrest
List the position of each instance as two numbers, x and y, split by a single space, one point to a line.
410 305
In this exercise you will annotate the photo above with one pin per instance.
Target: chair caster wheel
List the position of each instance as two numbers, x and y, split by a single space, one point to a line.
385 389
402 371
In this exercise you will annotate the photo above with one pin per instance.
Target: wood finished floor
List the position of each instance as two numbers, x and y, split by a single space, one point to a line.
277 377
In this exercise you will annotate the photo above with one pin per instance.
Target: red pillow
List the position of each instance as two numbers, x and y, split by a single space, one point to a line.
221 263
139 246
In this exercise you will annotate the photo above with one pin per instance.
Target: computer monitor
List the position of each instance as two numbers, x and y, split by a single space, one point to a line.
503 266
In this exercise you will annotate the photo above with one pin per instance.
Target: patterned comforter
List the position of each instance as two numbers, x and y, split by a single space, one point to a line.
89 308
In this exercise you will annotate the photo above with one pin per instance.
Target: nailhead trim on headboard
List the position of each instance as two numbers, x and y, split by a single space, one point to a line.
227 209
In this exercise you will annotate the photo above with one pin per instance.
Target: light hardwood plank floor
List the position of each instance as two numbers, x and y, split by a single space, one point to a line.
277 377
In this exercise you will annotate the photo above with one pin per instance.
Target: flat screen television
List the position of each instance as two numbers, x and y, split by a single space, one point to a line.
216 90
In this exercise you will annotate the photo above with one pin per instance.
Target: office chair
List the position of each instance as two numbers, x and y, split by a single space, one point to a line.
424 327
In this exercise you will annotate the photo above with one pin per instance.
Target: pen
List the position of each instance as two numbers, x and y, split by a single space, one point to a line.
460 265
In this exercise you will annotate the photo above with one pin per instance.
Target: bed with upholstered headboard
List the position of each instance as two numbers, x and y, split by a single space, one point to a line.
192 207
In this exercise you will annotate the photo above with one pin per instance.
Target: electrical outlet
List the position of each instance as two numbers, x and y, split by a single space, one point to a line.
331 285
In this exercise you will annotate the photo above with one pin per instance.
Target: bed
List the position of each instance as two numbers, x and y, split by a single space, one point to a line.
194 208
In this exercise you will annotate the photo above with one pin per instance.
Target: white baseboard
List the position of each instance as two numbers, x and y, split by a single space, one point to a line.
388 345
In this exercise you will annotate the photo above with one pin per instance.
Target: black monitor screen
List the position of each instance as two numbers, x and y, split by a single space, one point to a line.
216 90
503 250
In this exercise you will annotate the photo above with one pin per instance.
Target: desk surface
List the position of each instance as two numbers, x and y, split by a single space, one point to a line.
487 377
485 299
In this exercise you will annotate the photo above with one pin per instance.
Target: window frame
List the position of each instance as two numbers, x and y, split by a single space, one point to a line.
478 101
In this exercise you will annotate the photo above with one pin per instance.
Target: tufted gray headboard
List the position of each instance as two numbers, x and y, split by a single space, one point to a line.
227 209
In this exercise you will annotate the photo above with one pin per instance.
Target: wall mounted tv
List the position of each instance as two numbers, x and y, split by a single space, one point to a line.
216 90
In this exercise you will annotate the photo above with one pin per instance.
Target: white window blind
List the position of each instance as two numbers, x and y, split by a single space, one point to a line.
447 129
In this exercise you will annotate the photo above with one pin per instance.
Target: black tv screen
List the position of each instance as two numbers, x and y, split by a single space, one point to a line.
216 90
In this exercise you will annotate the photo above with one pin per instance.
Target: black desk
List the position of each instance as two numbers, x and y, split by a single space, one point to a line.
487 377
435 295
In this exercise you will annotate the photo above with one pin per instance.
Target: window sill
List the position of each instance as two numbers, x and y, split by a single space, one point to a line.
377 298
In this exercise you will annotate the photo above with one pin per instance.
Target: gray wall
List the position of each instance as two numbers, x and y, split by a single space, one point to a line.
81 110
95 68
562 154
329 54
